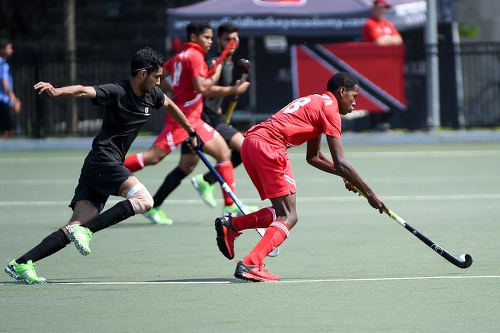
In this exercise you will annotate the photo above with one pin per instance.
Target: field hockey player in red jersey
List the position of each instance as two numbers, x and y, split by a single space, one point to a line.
265 157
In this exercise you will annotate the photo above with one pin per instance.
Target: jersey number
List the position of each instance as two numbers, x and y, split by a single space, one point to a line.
297 104
177 73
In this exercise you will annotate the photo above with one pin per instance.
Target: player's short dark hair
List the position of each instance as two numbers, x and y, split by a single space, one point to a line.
341 79
4 42
197 28
226 28
145 58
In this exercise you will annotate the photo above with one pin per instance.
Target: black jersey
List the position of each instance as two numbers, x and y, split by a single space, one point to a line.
124 115
212 104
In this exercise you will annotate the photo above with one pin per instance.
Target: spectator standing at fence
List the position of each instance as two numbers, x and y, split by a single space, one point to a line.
379 30
9 102
127 108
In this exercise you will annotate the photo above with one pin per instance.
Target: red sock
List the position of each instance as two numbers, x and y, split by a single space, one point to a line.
259 219
275 234
134 162
225 169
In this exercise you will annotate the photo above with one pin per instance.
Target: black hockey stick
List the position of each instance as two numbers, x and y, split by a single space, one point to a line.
464 261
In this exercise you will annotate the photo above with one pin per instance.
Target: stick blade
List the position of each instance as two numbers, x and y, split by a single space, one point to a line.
465 261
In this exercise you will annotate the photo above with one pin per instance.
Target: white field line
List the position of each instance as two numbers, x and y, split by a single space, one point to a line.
291 281
292 155
246 180
352 198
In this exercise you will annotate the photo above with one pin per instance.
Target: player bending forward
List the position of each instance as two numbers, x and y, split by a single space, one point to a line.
264 155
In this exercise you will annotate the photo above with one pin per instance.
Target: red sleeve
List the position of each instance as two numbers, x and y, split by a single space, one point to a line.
369 32
394 32
331 122
199 66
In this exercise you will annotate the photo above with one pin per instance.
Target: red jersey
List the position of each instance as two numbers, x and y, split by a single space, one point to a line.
373 29
300 121
183 67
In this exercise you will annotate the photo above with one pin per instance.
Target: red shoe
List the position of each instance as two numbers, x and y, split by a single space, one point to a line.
254 273
226 234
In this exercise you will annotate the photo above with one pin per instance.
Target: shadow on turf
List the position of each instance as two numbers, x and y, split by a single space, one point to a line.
199 280
183 224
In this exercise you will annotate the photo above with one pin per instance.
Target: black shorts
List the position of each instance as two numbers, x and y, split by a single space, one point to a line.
226 131
99 179
6 118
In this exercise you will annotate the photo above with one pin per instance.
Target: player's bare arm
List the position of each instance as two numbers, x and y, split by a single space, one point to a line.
16 102
317 159
389 40
202 84
71 91
176 113
220 91
165 84
347 171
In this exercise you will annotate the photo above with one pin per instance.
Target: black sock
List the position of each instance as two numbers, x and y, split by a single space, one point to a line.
170 183
210 178
119 212
48 246
235 158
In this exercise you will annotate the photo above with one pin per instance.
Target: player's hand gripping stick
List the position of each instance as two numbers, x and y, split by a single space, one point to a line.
244 77
232 43
464 261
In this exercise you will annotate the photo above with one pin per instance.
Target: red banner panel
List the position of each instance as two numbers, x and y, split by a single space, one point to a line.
378 68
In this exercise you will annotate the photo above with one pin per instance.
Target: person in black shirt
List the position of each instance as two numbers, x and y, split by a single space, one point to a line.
127 106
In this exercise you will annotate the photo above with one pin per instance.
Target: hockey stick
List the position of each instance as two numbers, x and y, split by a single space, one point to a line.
464 261
233 196
232 43
244 77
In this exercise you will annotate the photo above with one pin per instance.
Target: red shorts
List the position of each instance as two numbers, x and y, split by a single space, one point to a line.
269 168
172 136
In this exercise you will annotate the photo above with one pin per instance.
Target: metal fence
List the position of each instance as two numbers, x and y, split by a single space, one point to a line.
42 116
481 83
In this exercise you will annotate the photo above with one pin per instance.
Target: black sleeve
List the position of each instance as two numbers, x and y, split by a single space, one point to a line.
159 97
107 94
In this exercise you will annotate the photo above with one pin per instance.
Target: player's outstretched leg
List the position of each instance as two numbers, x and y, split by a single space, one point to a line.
81 237
228 228
256 273
156 215
252 266
204 189
226 234
24 272
23 269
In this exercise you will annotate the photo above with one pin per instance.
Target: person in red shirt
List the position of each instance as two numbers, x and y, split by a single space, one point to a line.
264 155
378 29
189 82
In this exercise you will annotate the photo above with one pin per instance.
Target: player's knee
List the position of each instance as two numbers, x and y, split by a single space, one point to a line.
187 168
152 157
152 160
291 221
140 198
147 203
226 154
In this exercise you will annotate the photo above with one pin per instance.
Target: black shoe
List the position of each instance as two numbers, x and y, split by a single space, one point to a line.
226 234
